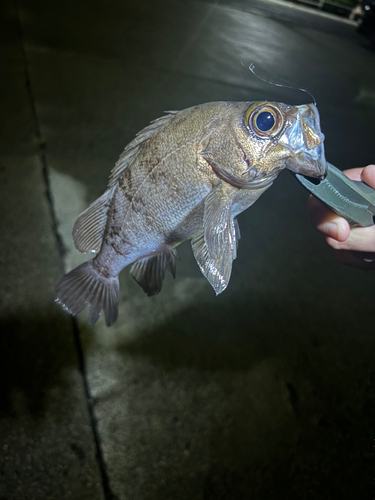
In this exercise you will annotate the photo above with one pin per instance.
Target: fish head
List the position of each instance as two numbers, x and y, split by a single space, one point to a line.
280 136
306 142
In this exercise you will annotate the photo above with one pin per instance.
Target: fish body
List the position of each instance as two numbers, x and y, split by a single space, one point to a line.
186 177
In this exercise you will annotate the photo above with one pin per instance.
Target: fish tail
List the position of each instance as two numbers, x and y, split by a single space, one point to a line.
85 286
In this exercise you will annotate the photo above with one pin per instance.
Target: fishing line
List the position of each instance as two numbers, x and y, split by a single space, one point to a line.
279 84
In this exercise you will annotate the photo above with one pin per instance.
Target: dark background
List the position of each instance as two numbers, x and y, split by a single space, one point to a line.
264 392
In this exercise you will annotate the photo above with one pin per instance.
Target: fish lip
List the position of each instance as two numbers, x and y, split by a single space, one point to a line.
317 158
320 164
311 165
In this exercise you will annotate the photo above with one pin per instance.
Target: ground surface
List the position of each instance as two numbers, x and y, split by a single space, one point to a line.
264 392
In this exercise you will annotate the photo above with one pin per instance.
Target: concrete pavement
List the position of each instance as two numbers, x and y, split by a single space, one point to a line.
264 392
47 447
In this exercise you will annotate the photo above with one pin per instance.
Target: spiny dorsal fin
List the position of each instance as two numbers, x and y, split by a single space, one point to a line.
133 147
149 272
89 228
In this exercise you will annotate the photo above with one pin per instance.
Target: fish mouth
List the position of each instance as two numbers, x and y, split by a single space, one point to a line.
306 142
311 163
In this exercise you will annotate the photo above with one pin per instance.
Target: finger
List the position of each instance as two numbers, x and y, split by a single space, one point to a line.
354 173
364 174
326 221
361 239
368 176
335 227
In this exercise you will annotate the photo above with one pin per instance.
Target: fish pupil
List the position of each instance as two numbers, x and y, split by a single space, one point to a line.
265 121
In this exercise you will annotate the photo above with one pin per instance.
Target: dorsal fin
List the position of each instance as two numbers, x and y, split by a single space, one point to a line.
133 147
89 228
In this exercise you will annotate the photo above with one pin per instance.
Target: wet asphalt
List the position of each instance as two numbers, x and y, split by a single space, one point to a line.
265 392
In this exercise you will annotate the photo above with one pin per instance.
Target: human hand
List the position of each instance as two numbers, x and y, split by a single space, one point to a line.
353 246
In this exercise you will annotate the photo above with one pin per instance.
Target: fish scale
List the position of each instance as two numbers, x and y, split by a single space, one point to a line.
186 177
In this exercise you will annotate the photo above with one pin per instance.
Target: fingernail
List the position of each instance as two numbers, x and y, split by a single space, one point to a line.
331 229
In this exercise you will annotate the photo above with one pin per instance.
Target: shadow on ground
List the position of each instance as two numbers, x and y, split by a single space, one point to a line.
264 413
36 354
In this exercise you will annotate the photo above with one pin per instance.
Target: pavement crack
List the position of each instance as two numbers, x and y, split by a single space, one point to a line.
41 145
108 494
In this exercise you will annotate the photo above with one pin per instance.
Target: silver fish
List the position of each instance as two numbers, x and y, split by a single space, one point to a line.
186 177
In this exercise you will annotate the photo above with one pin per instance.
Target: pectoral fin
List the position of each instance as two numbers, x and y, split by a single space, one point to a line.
215 248
237 233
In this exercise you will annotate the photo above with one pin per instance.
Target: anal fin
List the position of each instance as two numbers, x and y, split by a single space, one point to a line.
88 230
149 272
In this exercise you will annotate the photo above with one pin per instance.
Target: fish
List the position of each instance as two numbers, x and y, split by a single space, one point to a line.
186 176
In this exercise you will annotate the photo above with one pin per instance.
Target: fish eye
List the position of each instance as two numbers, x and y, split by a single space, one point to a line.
265 120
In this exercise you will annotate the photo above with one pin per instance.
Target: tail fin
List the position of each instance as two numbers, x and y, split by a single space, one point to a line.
84 286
